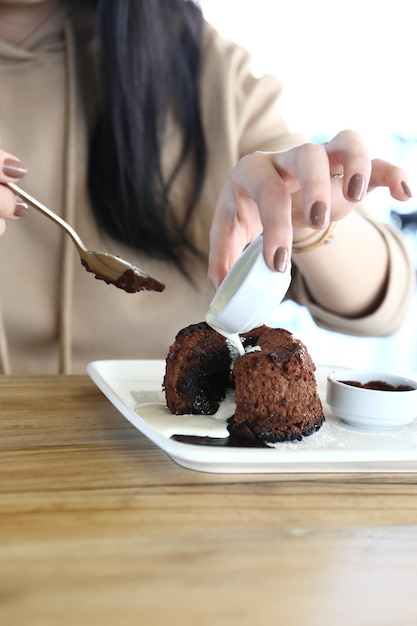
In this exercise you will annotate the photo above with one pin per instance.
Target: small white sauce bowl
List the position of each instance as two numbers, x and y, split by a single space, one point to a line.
372 409
249 294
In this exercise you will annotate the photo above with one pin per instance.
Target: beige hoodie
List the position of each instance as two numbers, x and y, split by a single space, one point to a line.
56 317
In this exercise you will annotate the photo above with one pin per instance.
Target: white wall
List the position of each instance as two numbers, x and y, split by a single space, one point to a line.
348 64
343 65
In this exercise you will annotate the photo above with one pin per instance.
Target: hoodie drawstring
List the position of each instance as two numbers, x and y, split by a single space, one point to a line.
69 192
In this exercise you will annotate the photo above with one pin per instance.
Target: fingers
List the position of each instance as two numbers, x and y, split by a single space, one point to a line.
306 168
11 168
11 206
247 206
348 155
385 174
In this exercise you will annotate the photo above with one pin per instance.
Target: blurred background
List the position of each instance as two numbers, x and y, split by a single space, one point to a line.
349 65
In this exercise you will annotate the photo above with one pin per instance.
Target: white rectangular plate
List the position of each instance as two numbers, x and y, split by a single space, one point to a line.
135 389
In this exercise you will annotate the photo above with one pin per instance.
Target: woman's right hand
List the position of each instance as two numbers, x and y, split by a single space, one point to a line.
11 206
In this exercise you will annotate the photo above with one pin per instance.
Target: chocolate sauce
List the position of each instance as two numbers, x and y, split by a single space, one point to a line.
225 442
377 385
131 280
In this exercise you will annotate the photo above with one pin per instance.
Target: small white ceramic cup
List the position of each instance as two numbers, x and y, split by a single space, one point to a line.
249 293
372 409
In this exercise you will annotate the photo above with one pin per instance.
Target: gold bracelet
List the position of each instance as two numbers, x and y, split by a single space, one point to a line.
309 236
326 237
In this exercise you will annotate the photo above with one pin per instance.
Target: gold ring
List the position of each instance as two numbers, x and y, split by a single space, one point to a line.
336 175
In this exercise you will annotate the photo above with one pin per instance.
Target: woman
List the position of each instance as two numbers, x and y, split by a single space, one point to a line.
139 125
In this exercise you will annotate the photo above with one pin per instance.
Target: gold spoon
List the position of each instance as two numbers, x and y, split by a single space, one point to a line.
112 269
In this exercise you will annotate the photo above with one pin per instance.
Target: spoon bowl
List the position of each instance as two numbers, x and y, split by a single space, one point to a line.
114 270
107 267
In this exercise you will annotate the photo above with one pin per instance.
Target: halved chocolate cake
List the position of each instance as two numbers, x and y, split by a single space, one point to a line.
274 382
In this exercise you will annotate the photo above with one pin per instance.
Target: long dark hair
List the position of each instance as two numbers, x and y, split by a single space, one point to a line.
148 60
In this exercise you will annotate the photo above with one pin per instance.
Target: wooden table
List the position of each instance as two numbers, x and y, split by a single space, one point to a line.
98 526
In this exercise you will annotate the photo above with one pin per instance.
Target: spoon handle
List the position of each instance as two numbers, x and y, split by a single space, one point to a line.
48 213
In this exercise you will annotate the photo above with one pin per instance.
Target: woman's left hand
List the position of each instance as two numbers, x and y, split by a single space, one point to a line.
282 194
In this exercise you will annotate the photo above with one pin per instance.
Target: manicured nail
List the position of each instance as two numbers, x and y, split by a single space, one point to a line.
21 207
318 214
406 189
281 259
13 168
356 188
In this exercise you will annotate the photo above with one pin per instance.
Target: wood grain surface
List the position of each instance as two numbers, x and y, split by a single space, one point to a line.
99 527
